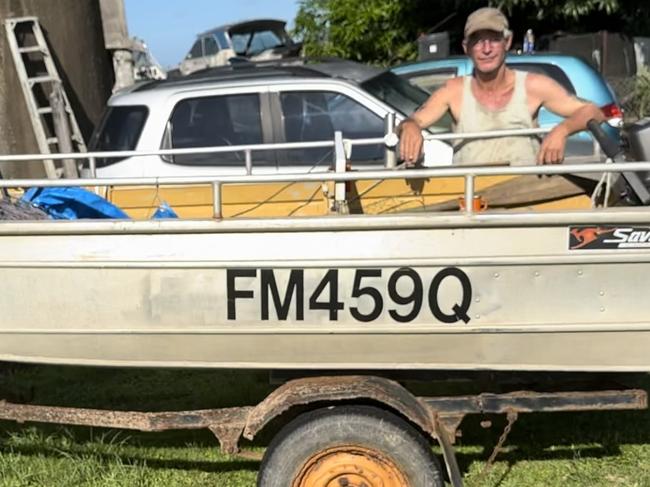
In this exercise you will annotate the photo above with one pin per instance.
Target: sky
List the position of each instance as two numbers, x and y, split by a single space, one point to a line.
169 27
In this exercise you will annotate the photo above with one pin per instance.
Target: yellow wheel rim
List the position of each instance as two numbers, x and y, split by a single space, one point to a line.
350 466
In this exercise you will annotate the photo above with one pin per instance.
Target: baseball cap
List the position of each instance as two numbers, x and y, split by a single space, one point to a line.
486 18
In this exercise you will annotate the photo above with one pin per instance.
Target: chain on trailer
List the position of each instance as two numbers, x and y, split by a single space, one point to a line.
438 416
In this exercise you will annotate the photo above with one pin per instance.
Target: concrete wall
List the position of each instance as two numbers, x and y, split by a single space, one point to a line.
73 29
116 35
642 50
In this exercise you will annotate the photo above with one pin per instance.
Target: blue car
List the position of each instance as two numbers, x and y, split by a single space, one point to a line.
575 75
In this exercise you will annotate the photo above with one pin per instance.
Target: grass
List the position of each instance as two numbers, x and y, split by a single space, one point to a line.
568 449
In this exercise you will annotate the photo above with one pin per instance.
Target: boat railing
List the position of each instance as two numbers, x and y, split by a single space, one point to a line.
340 174
389 141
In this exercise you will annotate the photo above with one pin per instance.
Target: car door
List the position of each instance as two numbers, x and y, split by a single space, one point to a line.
214 118
308 114
211 51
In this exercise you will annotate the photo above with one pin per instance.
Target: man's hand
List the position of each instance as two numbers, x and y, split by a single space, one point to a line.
410 141
552 149
410 130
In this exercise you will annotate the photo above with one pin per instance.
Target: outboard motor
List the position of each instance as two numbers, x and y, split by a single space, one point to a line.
638 139
637 184
638 136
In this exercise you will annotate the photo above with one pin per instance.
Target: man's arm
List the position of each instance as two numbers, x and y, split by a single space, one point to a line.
410 130
577 112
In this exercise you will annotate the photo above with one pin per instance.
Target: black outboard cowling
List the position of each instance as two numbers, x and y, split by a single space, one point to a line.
638 135
638 140
637 184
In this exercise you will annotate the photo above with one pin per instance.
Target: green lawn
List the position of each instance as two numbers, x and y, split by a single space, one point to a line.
567 449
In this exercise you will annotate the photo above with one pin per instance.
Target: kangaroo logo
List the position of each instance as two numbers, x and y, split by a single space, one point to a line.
585 236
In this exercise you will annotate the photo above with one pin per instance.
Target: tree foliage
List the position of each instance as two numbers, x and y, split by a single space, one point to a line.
385 31
370 30
559 10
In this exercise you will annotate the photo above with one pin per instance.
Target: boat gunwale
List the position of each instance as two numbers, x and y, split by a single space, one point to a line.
396 221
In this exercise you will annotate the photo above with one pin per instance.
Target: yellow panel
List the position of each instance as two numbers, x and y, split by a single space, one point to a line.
580 202
310 199
393 195
304 199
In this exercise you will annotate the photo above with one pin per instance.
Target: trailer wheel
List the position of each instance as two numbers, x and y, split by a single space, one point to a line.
349 446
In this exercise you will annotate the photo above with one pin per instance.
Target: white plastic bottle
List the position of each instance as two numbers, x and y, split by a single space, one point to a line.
529 41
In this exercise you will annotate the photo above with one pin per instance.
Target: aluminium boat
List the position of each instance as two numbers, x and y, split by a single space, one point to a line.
491 290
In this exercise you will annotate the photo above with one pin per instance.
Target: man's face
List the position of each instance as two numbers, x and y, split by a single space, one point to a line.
487 49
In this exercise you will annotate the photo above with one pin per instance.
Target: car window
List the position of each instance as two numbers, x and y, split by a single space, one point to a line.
196 51
402 96
240 42
119 130
263 40
549 70
217 121
210 46
313 115
222 40
251 43
431 80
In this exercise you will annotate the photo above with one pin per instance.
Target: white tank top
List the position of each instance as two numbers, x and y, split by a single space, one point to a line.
474 117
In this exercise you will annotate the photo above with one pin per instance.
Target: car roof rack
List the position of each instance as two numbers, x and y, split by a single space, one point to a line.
242 68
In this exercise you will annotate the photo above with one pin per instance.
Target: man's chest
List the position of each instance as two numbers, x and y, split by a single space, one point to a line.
492 101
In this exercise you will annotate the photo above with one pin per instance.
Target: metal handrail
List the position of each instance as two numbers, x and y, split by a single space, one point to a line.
258 147
189 151
469 173
399 173
488 134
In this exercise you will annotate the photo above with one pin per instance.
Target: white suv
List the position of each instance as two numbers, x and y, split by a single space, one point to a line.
253 104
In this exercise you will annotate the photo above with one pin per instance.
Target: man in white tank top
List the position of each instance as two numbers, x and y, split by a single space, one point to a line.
496 97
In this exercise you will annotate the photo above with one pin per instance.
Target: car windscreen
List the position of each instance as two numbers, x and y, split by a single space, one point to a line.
119 130
401 95
255 42
549 70
396 92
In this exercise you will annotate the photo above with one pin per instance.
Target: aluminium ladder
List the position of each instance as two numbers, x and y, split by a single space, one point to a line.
39 80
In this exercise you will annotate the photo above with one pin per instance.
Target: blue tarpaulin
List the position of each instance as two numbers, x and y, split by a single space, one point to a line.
164 211
72 203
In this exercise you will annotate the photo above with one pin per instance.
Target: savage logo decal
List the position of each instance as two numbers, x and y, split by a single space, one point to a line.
607 237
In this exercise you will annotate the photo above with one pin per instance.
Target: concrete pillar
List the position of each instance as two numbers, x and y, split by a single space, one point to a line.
118 42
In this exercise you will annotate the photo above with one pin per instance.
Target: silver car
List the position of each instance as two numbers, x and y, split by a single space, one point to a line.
255 40
257 103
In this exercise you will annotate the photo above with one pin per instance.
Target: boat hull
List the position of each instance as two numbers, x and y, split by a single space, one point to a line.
577 351
487 292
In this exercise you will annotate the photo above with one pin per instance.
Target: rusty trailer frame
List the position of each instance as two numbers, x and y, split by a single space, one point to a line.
439 417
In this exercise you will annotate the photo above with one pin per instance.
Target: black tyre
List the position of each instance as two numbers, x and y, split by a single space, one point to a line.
349 446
